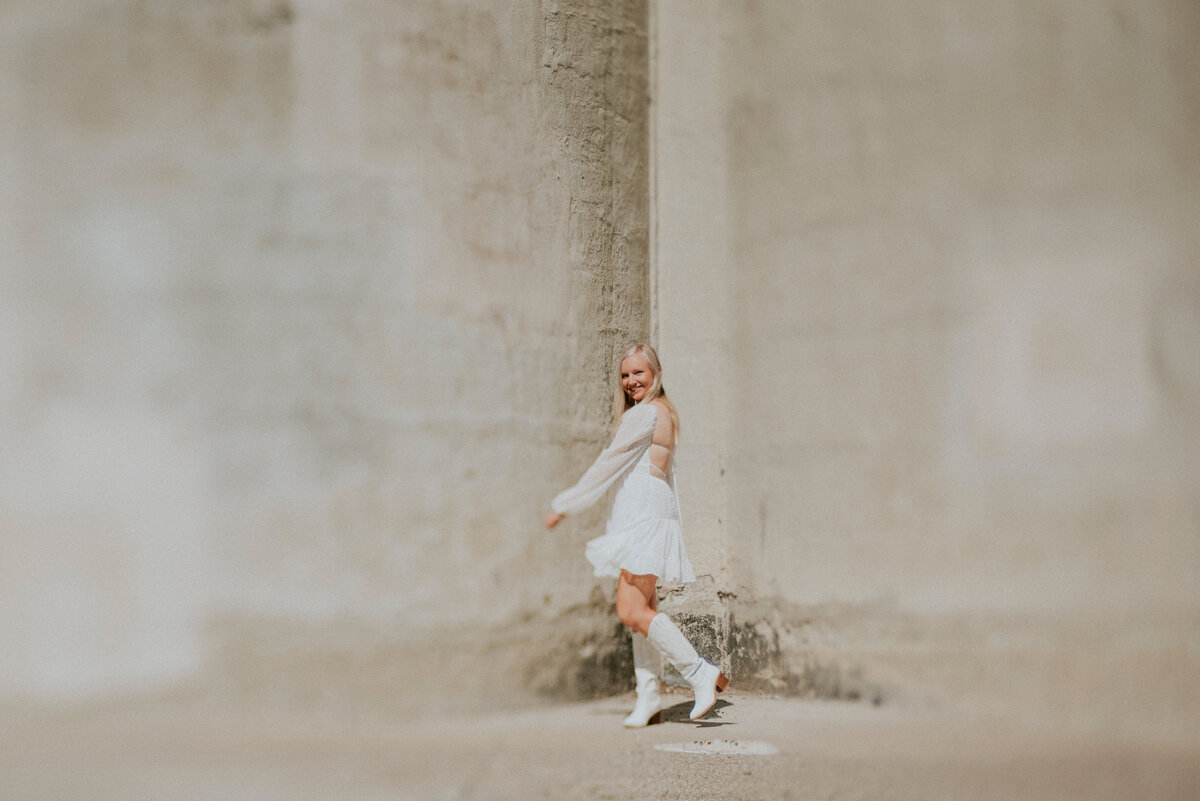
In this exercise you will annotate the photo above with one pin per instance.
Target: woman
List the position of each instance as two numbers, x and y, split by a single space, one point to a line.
643 541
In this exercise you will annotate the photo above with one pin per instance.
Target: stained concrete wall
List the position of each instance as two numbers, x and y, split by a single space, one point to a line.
926 277
308 309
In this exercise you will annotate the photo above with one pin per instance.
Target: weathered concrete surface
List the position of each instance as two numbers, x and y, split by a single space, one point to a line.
308 306
580 752
927 286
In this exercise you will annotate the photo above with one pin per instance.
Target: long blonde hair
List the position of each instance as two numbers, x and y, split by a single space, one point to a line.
656 390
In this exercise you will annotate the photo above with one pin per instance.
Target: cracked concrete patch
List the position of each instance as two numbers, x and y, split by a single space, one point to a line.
721 747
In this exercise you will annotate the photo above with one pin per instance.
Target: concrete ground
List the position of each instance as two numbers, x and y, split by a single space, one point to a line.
580 751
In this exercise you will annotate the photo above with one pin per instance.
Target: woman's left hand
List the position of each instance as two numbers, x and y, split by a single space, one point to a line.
553 519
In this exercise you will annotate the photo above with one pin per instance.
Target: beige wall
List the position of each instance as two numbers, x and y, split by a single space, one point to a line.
691 273
310 307
931 270
308 310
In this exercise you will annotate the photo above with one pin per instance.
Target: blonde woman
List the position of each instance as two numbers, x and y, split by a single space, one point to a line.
643 541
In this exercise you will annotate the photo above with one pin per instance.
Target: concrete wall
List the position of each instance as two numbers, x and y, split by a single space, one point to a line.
931 273
308 309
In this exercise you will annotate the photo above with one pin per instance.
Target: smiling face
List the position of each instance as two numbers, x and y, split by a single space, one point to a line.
636 376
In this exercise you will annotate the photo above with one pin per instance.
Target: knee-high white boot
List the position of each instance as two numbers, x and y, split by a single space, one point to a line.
705 678
646 666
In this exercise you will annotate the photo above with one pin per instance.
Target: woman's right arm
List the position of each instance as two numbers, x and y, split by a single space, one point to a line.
632 438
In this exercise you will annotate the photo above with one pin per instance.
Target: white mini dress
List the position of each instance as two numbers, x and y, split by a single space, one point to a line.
644 534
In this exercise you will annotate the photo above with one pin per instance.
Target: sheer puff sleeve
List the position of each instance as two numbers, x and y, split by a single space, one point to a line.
632 438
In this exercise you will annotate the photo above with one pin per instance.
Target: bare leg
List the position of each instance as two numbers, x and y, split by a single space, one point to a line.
637 600
637 604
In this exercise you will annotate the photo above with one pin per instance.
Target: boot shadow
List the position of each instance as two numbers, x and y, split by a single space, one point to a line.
678 713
